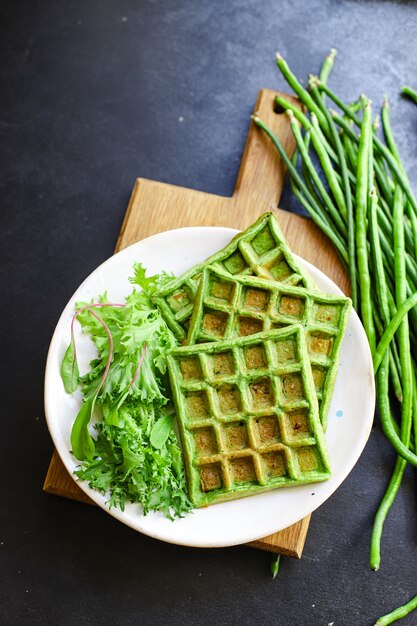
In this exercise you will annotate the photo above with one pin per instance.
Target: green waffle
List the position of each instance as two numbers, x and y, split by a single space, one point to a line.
236 306
248 415
261 250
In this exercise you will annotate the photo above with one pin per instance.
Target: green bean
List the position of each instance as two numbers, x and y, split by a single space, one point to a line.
413 219
392 328
386 183
304 171
394 361
382 149
345 125
386 121
294 158
278 145
403 331
385 413
299 89
351 140
315 177
395 378
290 166
284 104
356 106
371 169
396 171
342 106
329 171
414 404
350 149
413 318
383 203
327 67
407 382
410 92
396 428
385 222
316 125
322 224
313 191
391 301
394 368
381 284
389 137
275 563
411 269
361 217
381 300
384 507
348 199
397 614
348 109
386 153
313 207
386 246
309 184
409 234
386 229
320 139
387 250
332 150
324 218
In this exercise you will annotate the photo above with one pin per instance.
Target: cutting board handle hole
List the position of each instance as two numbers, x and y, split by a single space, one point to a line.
277 108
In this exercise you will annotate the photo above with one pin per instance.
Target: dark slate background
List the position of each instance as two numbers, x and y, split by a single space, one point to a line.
91 96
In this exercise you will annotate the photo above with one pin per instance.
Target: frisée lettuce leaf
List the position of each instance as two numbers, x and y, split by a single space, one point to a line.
132 454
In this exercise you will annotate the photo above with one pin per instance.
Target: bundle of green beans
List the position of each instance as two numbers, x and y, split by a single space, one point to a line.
355 188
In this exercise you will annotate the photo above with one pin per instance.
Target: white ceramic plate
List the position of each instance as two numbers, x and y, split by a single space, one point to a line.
350 415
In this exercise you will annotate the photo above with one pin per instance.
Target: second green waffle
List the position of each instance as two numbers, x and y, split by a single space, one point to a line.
236 306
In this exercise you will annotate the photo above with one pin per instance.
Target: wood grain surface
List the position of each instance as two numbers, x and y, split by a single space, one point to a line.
155 207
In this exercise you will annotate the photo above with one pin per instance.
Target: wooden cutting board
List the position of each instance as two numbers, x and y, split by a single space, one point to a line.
155 207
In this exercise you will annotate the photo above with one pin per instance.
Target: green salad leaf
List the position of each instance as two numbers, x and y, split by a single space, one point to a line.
82 444
69 369
134 454
161 430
